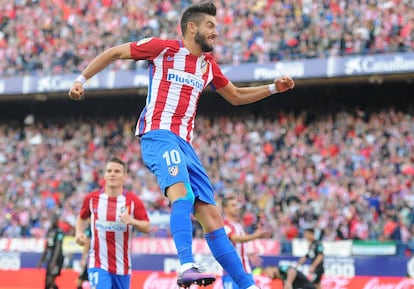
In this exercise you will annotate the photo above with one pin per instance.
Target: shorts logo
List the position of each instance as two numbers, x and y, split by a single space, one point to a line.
173 171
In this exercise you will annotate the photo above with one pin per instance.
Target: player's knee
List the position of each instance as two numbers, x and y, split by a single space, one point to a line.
189 194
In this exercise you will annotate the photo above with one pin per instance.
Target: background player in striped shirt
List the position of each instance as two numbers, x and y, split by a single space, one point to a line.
238 237
178 71
113 213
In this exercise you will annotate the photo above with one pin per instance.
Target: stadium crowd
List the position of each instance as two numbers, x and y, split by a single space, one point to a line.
349 174
56 36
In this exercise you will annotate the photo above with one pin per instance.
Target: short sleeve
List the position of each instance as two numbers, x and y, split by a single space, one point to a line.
283 269
229 229
319 248
60 236
219 79
147 48
140 213
85 211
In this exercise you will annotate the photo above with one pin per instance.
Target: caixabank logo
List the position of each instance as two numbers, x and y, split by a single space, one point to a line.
365 65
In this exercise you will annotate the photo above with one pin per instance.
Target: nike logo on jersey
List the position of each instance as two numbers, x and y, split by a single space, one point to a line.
170 58
185 78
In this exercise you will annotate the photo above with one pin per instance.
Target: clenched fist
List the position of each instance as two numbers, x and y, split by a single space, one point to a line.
284 83
76 92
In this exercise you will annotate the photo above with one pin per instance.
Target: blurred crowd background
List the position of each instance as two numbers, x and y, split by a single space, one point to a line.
56 36
348 172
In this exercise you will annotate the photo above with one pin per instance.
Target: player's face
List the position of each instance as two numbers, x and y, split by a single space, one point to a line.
308 236
114 175
233 208
206 33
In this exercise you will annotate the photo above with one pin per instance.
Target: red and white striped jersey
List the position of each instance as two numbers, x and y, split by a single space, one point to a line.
234 228
111 238
176 80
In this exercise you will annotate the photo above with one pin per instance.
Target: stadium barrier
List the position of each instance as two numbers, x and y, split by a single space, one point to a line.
158 254
34 279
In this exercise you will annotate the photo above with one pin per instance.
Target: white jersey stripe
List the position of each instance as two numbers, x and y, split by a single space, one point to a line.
102 212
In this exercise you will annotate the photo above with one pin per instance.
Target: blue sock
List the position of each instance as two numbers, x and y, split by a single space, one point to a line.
182 229
226 255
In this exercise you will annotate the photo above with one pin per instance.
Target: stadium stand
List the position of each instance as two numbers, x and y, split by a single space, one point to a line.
50 37
349 172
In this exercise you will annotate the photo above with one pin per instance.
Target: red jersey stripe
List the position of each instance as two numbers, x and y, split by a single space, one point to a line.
110 235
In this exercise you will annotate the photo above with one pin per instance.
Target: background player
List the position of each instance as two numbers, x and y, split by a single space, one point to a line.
315 254
238 237
53 253
179 70
113 212
292 278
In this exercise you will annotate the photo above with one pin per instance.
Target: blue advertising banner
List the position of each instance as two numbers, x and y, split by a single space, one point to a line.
378 64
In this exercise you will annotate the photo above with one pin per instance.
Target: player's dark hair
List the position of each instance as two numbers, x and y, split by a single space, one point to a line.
226 200
118 161
310 230
195 13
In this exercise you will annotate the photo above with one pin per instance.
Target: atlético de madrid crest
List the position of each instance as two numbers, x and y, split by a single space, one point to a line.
173 171
204 66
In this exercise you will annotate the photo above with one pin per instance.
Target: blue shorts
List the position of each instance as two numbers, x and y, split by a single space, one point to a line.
173 160
102 279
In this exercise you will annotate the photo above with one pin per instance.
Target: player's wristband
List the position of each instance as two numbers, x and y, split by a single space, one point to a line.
81 79
272 88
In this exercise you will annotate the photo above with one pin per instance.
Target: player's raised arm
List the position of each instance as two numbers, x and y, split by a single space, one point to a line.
100 62
245 95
